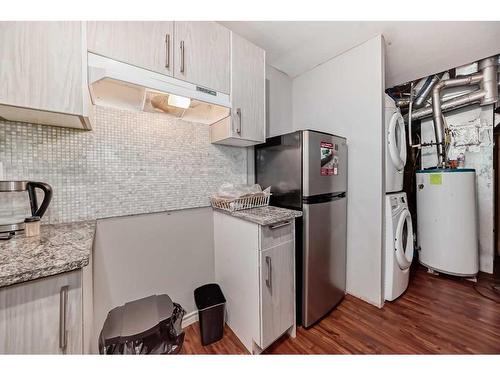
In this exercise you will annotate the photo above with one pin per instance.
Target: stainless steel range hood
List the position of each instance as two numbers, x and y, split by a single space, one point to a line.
120 85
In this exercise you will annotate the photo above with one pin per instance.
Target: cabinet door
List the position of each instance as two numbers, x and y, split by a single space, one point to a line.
34 316
278 103
41 65
248 89
148 45
202 54
276 292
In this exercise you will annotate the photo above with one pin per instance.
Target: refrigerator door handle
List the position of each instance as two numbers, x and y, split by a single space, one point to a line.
323 198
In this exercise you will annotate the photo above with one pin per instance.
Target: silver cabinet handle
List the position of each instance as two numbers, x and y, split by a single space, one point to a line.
238 124
182 56
167 53
279 225
269 280
63 309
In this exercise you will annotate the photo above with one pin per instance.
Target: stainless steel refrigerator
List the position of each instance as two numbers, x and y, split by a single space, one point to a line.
307 170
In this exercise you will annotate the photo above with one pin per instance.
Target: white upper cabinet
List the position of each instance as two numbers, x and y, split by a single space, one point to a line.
148 45
202 54
247 124
43 70
196 52
278 103
248 88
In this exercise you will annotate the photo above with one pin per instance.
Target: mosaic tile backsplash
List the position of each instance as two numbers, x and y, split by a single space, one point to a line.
130 163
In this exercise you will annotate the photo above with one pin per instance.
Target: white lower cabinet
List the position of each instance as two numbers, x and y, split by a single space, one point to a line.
277 303
255 267
43 316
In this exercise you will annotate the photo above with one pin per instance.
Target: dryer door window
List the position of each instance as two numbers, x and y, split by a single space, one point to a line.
396 141
404 240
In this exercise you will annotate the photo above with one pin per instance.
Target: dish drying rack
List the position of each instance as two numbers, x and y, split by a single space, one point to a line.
242 203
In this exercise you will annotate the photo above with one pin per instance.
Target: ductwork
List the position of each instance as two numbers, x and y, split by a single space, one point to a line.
449 105
437 114
462 100
426 84
488 82
425 91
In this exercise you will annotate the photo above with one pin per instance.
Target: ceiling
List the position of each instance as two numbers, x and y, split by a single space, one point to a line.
413 49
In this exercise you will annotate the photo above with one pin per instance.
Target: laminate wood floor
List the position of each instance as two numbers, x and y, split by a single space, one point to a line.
437 315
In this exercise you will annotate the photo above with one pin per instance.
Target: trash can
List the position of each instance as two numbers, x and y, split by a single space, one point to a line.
150 325
211 306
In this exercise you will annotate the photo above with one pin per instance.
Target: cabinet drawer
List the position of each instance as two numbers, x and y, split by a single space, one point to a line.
275 234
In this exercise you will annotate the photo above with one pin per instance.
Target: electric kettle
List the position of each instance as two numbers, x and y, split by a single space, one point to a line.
18 202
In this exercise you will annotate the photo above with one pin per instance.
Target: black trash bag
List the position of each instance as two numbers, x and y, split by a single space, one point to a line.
166 337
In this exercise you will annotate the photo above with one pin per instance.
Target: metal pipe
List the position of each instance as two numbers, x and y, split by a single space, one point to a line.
402 102
489 69
420 113
463 100
448 105
422 96
489 83
437 114
409 116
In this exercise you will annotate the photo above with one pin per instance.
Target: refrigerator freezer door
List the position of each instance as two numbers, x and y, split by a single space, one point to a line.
324 163
324 258
278 164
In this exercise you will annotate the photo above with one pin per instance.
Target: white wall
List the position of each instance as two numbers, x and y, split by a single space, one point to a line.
278 102
344 96
137 256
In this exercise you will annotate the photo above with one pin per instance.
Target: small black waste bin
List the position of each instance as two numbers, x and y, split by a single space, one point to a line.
211 306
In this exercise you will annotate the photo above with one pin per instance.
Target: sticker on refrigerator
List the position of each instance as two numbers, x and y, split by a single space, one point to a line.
329 161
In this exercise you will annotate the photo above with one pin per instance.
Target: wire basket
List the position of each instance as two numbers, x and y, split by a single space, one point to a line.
243 203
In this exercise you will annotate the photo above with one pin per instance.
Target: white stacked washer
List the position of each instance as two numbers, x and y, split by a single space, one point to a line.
398 246
395 147
399 229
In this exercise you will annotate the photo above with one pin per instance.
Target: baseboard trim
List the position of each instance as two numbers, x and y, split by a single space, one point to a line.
190 318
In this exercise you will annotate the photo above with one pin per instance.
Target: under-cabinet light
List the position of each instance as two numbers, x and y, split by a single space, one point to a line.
179 101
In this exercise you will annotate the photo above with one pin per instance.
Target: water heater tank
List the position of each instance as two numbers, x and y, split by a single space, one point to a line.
447 221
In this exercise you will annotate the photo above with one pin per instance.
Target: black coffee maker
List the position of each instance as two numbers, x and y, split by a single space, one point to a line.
18 202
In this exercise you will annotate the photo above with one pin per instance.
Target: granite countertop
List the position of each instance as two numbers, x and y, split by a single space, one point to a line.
59 248
265 215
